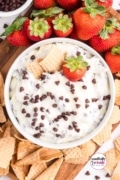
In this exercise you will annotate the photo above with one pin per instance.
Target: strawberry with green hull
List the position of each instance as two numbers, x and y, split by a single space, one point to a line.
89 20
16 33
69 5
62 25
108 37
39 29
43 4
112 58
74 68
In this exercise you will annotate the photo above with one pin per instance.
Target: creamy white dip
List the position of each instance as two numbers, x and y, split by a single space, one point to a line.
55 109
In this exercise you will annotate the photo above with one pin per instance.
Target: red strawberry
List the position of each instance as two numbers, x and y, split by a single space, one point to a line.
89 20
69 4
74 68
108 37
105 3
112 58
43 4
39 29
18 38
62 25
16 33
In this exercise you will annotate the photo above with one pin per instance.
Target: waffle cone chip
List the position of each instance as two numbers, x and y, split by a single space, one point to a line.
53 61
2 101
48 154
114 118
117 143
20 171
2 115
25 148
35 170
7 146
116 173
51 172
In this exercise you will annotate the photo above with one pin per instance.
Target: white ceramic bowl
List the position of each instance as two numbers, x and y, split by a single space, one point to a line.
59 145
17 11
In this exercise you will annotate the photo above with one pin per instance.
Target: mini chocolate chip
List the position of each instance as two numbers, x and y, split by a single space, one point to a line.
37 86
67 100
35 114
5 25
33 124
70 127
76 99
54 105
68 83
35 109
94 81
88 67
57 135
100 106
32 100
41 131
41 125
43 76
37 128
52 96
65 117
77 130
42 109
23 111
94 99
21 89
73 91
67 113
107 175
57 82
61 97
86 106
32 57
78 53
55 129
25 103
42 117
97 177
87 173
74 112
87 101
26 97
77 106
84 87
28 115
37 135
72 86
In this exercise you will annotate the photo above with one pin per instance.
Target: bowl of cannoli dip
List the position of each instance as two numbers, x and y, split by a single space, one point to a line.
47 107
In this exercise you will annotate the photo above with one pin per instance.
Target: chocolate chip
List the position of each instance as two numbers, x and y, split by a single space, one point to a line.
100 106
28 115
26 97
67 100
35 109
77 130
70 127
25 103
74 112
86 106
37 128
97 177
57 82
67 113
41 131
41 125
87 101
84 87
94 81
43 76
78 53
94 99
21 89
37 135
107 175
5 25
23 111
54 105
87 173
73 91
68 83
35 114
61 97
72 86
37 86
76 99
57 135
107 97
42 117
42 109
77 106
55 129
32 57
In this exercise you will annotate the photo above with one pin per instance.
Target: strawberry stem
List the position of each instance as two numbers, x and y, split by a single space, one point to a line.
75 63
116 50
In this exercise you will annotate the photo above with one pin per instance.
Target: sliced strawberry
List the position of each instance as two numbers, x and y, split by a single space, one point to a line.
74 68
112 58
62 25
39 29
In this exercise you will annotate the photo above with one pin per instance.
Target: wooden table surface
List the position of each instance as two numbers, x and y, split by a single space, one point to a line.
8 54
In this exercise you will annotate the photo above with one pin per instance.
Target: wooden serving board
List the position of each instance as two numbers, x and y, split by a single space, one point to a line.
8 54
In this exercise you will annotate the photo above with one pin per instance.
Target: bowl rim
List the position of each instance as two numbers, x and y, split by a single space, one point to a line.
49 144
16 11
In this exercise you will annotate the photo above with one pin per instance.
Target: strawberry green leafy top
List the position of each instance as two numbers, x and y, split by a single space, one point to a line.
116 50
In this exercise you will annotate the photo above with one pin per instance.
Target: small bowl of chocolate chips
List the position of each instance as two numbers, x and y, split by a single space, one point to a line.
10 8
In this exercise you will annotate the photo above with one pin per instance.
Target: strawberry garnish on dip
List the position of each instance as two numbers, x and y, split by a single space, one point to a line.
89 20
112 58
108 37
62 25
39 29
74 68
